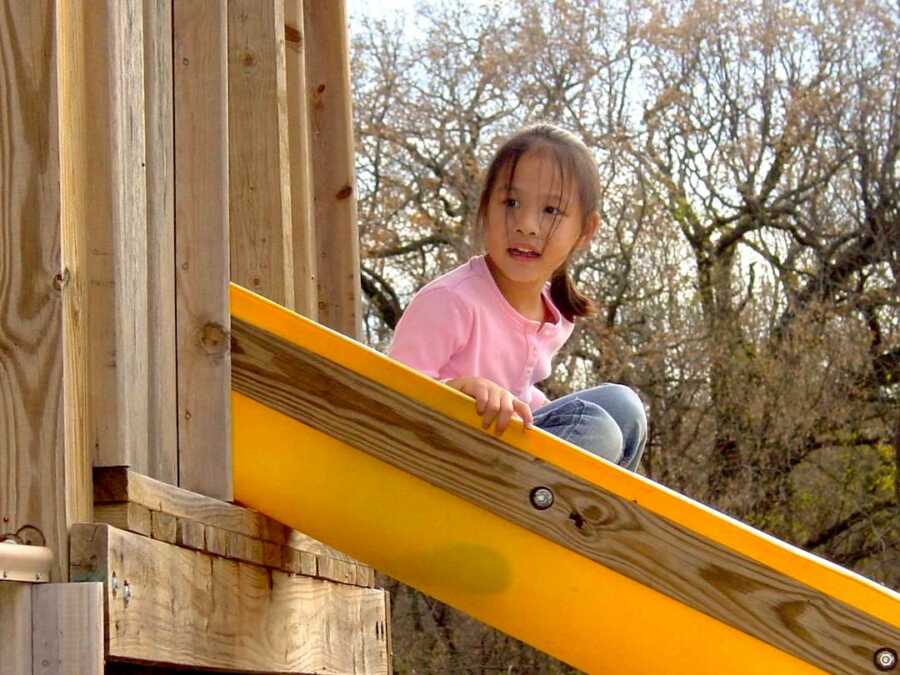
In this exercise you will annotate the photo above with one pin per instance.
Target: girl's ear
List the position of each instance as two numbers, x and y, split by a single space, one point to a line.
590 229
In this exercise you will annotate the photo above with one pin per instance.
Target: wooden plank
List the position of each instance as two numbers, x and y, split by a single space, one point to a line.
389 647
113 485
162 446
337 570
595 523
188 608
299 562
259 169
35 296
68 629
120 484
163 526
201 221
129 516
216 541
116 261
304 229
15 620
190 533
331 148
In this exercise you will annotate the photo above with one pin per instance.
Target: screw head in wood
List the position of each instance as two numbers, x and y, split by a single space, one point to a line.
541 498
885 659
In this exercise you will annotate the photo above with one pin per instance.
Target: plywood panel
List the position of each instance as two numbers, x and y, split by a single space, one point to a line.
189 608
331 149
304 229
202 233
259 169
68 629
162 446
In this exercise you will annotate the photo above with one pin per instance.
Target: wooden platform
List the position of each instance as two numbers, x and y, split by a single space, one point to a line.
193 581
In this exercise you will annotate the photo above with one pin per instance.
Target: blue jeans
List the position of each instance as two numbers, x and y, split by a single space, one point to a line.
608 420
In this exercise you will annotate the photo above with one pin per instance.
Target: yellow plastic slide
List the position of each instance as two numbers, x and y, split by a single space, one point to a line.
602 568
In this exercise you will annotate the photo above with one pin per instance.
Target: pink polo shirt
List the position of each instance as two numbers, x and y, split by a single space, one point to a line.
461 325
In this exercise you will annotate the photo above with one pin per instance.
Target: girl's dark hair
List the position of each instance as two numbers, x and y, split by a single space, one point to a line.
573 159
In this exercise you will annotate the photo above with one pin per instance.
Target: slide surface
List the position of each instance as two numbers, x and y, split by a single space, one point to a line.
620 575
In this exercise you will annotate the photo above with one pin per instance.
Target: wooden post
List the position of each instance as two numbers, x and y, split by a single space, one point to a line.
67 629
304 228
202 256
162 447
114 207
259 169
15 618
331 123
45 458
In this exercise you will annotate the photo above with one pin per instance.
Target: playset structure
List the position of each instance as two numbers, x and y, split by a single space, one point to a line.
201 464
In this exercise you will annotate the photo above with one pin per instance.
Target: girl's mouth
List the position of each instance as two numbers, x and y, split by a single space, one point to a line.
523 254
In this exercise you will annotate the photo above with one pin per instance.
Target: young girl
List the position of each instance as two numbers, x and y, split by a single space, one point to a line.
490 327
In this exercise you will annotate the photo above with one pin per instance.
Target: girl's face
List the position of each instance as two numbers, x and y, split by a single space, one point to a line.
533 222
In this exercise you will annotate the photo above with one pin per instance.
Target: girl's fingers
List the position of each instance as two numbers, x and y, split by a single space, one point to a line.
493 407
482 396
523 411
506 412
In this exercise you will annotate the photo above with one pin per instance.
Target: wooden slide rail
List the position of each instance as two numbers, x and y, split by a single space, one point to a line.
301 389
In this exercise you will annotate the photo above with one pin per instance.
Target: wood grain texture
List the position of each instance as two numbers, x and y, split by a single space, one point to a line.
302 220
163 526
33 475
331 148
15 626
75 147
191 609
128 516
68 629
259 169
190 533
584 518
116 262
202 255
162 446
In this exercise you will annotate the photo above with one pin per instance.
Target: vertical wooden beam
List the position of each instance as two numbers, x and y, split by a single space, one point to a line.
259 169
38 487
15 621
331 123
306 296
202 255
116 230
67 629
162 449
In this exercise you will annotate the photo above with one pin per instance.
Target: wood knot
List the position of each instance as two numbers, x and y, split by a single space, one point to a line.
214 339
293 36
344 192
248 59
61 280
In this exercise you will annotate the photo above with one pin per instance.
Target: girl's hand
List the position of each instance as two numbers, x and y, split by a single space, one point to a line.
493 402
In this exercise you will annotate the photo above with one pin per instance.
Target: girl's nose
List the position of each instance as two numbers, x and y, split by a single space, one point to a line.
528 225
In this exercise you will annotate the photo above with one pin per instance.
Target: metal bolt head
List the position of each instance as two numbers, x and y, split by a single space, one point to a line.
541 498
885 659
126 591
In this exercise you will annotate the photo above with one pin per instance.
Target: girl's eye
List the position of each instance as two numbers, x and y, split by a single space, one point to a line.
554 211
510 202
